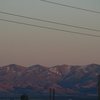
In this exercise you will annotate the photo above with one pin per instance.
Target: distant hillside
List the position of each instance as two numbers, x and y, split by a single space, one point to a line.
66 79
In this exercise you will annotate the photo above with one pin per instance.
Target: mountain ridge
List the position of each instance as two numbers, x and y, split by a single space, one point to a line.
66 79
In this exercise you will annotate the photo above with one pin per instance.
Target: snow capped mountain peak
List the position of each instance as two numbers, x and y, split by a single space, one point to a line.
60 69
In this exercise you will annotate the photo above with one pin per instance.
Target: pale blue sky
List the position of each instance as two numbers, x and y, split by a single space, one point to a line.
27 45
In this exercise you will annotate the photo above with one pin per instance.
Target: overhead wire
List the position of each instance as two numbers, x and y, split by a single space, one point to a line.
74 7
50 28
49 21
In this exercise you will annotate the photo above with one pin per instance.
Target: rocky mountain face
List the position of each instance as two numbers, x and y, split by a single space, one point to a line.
66 79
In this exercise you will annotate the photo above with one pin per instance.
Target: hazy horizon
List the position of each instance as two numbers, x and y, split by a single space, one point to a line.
25 45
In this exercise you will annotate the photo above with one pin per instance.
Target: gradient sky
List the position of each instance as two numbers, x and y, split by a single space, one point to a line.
27 45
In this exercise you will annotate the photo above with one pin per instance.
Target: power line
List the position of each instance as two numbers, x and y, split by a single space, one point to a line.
74 7
57 29
48 21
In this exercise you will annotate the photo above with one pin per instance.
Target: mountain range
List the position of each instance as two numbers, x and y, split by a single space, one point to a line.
38 79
